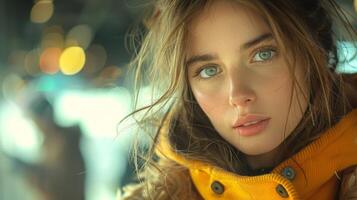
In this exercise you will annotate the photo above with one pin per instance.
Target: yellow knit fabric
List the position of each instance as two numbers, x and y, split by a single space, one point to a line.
314 179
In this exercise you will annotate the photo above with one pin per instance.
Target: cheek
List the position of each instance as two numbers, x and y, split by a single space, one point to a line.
300 100
210 102
290 108
281 97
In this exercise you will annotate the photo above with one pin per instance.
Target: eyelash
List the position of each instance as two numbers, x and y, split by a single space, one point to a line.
199 70
265 48
255 51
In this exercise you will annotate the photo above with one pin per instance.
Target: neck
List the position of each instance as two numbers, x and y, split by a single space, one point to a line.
266 160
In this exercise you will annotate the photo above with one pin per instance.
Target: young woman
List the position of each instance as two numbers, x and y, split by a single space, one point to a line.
254 107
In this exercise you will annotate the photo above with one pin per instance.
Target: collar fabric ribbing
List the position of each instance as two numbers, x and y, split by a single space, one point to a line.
309 174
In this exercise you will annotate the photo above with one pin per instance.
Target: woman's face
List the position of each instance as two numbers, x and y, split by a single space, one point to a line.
236 72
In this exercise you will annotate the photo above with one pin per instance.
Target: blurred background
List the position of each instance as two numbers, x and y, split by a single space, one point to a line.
64 89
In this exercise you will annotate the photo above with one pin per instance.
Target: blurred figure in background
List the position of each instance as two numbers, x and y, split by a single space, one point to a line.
60 174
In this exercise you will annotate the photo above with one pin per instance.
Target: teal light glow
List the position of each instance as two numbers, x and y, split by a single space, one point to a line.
347 57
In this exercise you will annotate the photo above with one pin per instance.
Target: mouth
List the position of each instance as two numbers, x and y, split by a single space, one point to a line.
252 127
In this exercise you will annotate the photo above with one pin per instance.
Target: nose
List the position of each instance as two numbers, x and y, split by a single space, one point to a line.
241 93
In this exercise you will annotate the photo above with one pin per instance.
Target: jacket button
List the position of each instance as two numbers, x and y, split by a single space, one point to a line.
281 191
217 187
288 173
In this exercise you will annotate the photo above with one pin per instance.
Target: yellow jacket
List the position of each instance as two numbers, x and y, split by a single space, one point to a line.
313 178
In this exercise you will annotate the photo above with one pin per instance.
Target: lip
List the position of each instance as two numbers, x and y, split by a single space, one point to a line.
253 129
249 118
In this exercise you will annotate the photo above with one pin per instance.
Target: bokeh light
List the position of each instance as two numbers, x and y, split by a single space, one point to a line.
111 72
49 60
32 62
72 60
53 29
96 59
52 40
52 37
42 11
17 59
80 35
109 76
12 85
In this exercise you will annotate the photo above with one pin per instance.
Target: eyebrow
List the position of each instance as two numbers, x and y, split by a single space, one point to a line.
209 57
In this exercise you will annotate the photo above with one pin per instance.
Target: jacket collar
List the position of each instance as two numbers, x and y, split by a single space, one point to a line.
298 176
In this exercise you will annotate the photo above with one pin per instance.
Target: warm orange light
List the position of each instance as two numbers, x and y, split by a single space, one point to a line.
49 60
111 72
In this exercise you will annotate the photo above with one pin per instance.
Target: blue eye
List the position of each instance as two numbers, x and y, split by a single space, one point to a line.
208 72
264 55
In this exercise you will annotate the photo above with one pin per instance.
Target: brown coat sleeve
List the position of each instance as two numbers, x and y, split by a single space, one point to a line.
348 188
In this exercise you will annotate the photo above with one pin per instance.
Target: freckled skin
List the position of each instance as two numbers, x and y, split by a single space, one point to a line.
242 85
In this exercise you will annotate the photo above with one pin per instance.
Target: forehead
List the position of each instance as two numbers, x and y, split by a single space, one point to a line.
224 23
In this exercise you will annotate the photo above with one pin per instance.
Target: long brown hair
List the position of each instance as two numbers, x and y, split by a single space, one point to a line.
303 28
